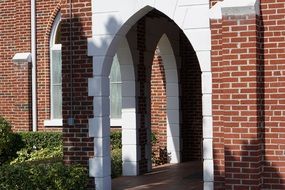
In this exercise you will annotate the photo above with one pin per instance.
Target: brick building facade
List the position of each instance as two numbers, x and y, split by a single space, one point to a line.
207 77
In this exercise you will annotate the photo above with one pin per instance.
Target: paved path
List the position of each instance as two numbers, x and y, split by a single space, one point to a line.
185 176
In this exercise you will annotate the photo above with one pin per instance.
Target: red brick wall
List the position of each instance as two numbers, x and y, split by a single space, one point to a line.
15 99
46 13
158 109
247 65
272 18
14 80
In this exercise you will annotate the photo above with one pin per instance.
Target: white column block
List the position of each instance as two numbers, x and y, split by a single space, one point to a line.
207 127
173 144
204 58
99 65
173 130
103 183
173 116
208 185
129 136
99 86
102 147
128 88
207 104
208 170
101 106
208 149
127 72
172 103
98 45
130 168
128 104
100 167
171 75
174 157
206 82
99 127
129 153
172 89
129 120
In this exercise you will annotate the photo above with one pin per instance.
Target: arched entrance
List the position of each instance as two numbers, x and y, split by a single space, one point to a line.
109 30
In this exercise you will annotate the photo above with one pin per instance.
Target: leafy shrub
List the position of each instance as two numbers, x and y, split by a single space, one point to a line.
10 142
116 139
54 176
41 140
43 155
116 162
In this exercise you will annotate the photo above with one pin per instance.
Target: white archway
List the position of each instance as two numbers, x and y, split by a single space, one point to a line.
172 95
130 147
111 20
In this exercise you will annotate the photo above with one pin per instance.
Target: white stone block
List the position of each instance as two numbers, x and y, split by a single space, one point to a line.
199 38
208 149
99 86
208 185
128 88
98 45
167 8
172 103
179 16
99 127
207 104
174 157
173 144
102 65
173 116
127 72
102 147
194 12
173 130
206 83
101 106
104 183
100 167
128 104
171 75
193 2
129 120
172 89
107 23
129 153
207 127
208 170
169 61
130 168
129 136
204 58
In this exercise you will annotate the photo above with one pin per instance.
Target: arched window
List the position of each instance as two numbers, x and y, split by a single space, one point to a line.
55 75
115 93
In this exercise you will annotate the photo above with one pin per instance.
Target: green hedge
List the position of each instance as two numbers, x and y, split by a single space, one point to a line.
10 142
116 139
40 140
54 176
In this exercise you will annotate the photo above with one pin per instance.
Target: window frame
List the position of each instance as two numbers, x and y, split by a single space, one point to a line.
52 122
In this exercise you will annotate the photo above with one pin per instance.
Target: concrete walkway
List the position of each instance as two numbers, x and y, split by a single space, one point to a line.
185 176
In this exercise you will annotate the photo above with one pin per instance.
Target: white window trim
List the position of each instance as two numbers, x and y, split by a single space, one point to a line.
53 123
116 122
53 47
